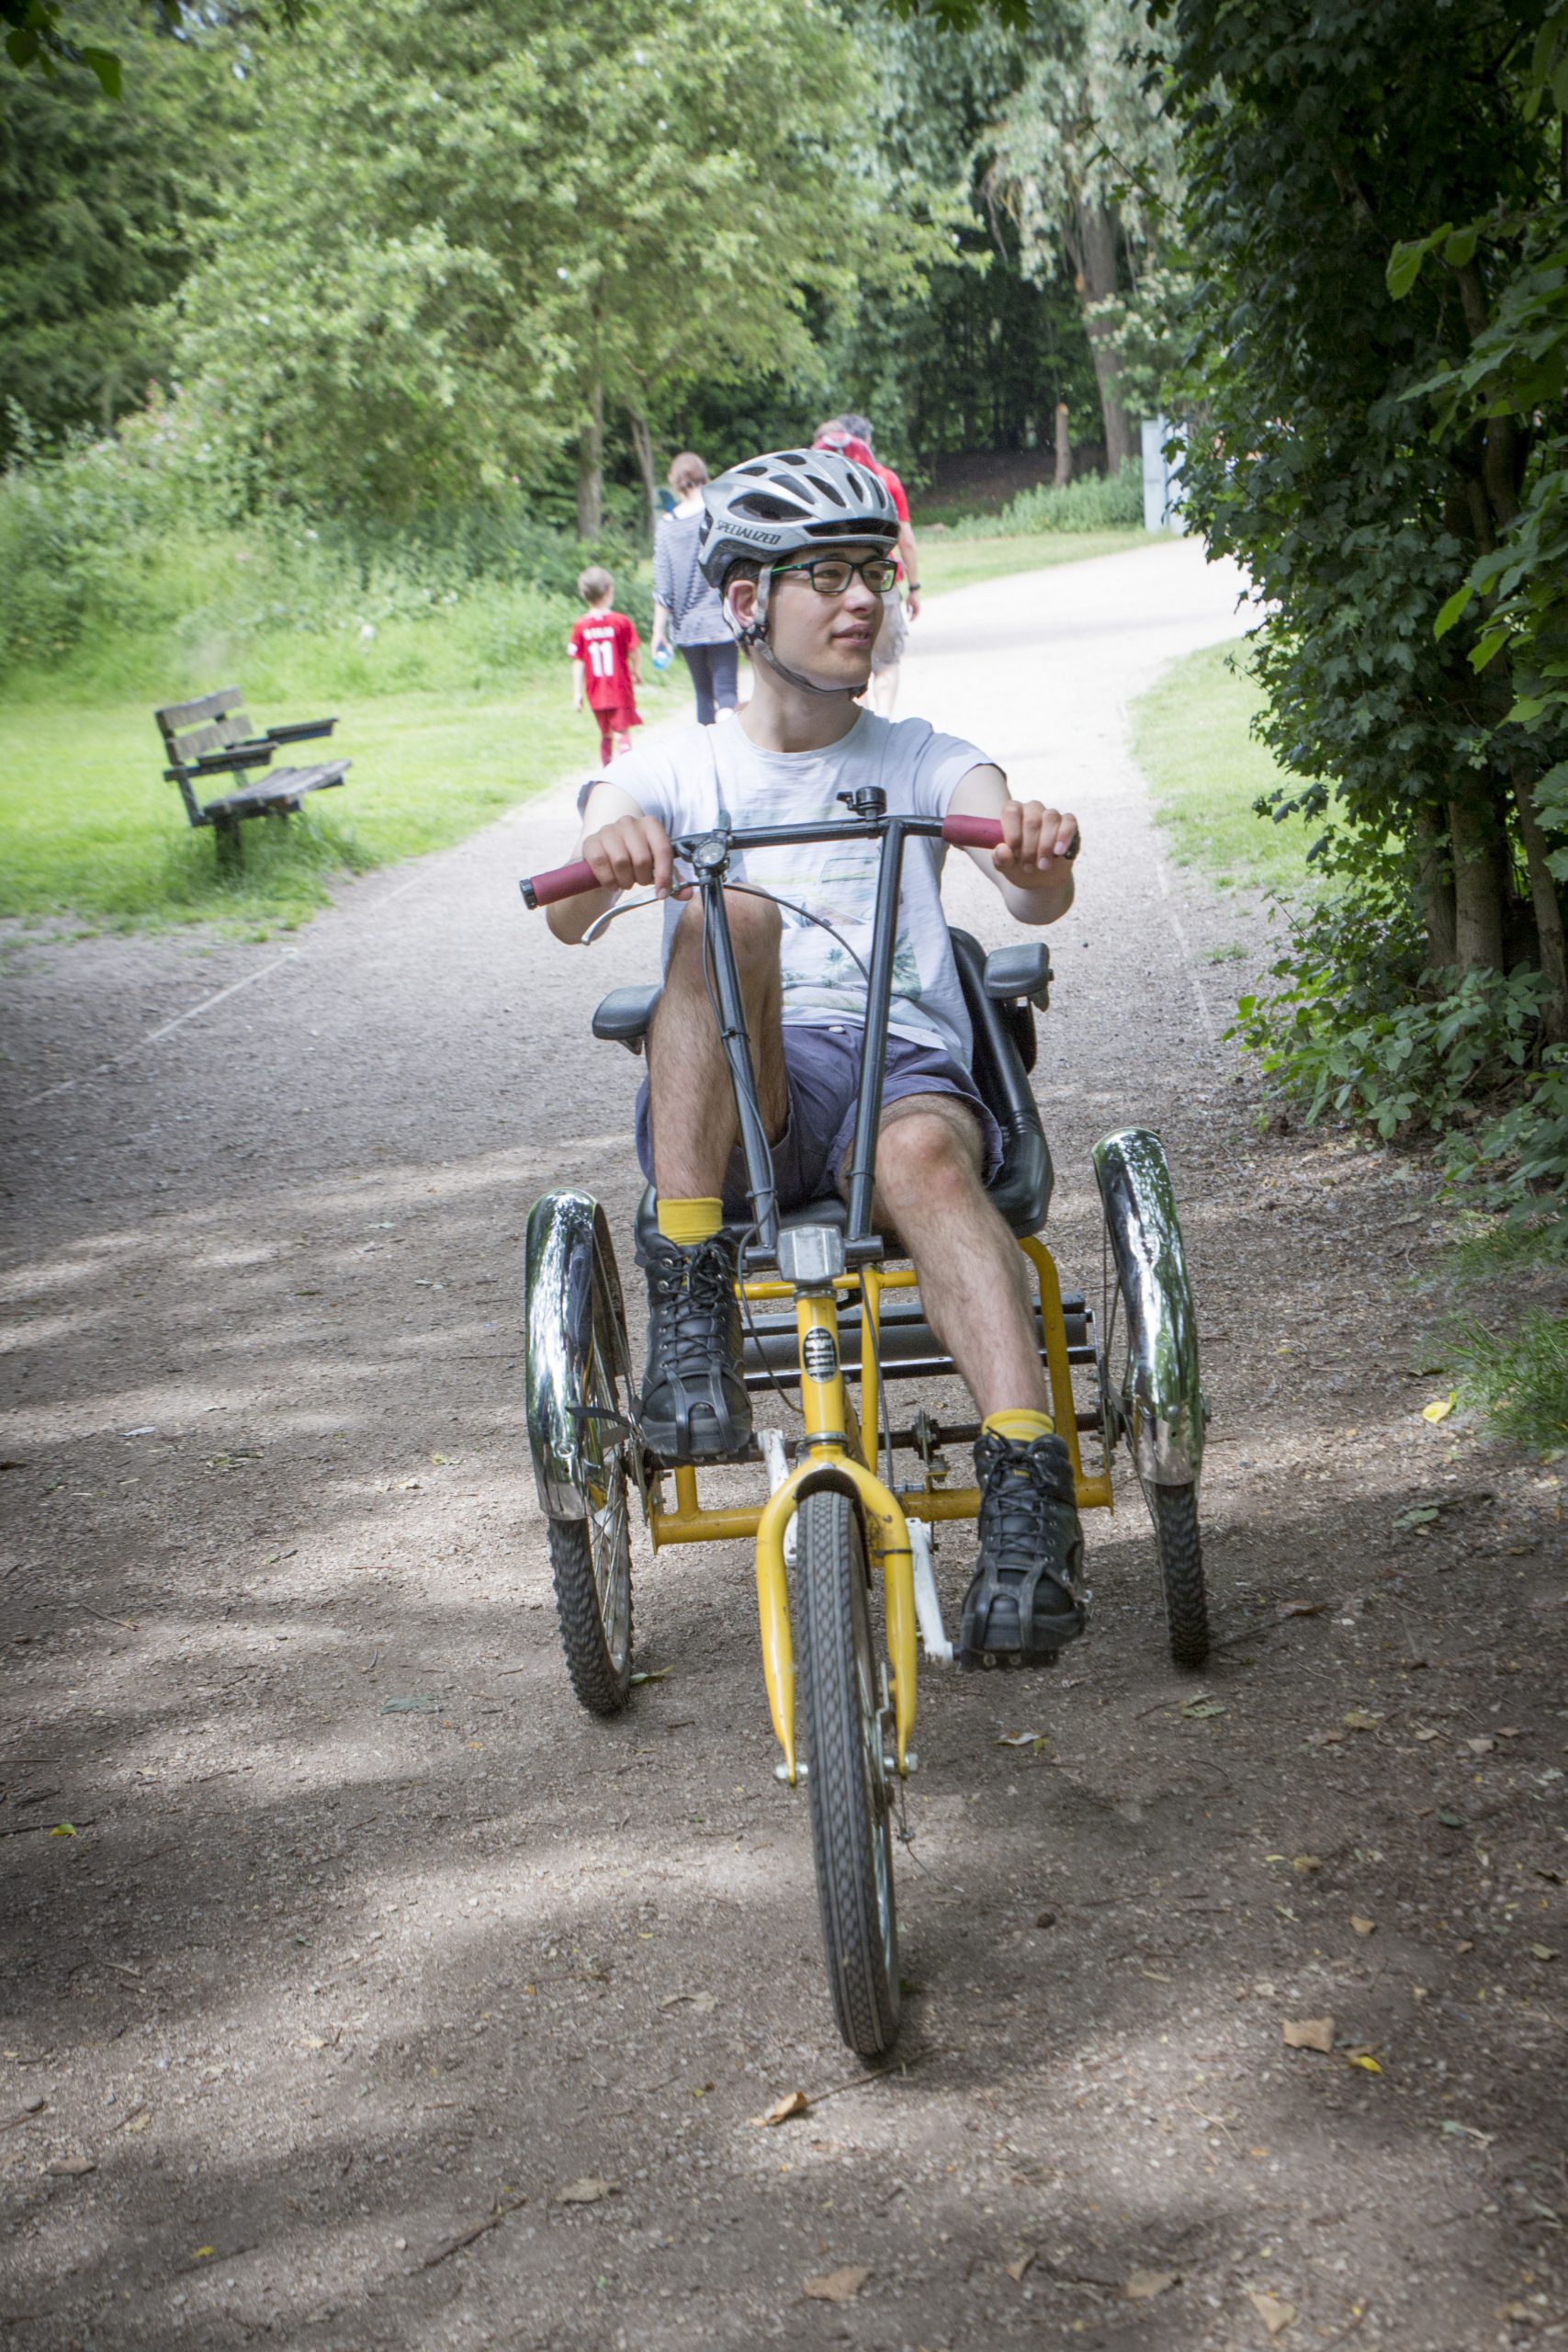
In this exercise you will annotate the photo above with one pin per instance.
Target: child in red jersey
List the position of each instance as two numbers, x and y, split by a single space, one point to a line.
604 650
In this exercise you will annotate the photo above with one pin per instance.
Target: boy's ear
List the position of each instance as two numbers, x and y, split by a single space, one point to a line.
741 598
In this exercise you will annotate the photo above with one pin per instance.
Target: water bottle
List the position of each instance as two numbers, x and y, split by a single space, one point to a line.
663 658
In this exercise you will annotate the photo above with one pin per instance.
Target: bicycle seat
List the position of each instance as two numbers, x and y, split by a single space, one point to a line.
1000 992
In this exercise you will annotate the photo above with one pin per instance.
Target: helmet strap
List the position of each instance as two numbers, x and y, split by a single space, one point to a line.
753 638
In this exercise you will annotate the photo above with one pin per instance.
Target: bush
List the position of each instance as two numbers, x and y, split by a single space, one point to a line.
131 557
1094 502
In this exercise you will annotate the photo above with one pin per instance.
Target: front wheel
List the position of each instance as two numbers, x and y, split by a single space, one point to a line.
847 1724
1174 1510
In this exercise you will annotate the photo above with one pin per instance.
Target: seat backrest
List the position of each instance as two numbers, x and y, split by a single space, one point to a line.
191 730
1022 1188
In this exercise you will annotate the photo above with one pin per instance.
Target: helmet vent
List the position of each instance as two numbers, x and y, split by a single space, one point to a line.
826 488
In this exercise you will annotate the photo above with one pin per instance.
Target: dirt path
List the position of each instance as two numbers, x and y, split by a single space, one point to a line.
368 1939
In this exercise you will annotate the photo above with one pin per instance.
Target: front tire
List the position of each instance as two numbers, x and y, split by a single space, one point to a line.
1174 1510
847 1724
591 1557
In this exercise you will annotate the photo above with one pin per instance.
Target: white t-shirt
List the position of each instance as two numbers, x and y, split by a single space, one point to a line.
685 780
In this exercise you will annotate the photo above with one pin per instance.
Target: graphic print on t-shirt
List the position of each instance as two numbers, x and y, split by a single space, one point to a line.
689 778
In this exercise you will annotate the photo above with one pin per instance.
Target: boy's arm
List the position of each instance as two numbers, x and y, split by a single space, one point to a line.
1032 866
577 677
634 654
627 848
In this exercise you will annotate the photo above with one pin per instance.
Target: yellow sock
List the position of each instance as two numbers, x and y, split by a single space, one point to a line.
687 1221
1019 1424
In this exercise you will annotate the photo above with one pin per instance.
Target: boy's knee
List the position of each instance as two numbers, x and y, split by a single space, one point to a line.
925 1152
755 926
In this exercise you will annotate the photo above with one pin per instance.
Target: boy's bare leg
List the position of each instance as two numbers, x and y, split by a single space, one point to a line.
691 1102
974 1283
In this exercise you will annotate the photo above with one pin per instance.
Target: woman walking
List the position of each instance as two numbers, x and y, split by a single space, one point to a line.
686 611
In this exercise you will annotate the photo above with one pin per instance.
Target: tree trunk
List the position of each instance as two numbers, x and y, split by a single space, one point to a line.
642 450
1063 474
590 467
1437 891
1478 888
1092 251
1548 914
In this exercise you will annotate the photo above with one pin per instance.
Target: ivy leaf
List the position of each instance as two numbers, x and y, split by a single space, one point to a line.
1452 610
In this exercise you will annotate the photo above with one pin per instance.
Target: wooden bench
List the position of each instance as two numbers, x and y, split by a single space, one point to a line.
213 737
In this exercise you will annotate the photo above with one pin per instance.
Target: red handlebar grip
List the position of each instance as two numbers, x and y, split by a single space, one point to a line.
561 882
971 832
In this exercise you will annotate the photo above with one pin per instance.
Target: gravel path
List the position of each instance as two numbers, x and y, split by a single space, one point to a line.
381 1998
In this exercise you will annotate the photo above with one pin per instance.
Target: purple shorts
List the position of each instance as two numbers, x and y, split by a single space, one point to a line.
823 1071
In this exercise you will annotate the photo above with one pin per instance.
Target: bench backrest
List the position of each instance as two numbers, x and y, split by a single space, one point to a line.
191 730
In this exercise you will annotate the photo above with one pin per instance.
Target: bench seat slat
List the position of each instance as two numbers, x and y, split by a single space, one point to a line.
283 784
175 717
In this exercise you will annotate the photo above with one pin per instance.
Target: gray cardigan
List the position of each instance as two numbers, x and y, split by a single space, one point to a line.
697 614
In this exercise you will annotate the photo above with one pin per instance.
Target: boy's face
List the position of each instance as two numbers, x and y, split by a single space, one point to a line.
829 638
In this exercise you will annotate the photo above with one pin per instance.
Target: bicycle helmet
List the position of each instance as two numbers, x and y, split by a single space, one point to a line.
782 504
791 500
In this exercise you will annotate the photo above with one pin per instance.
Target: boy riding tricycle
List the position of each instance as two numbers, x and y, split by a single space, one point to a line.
838 1081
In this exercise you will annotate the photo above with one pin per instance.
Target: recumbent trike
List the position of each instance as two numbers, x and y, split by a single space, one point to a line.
826 1306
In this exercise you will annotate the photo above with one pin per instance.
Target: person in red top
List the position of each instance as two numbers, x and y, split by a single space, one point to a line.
605 663
852 436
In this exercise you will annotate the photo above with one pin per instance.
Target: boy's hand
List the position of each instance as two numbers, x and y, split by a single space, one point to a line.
1037 843
632 852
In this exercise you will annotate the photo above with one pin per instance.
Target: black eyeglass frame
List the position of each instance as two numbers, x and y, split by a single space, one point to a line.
857 572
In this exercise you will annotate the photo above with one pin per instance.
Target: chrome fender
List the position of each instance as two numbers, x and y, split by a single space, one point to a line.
1162 1403
569 1276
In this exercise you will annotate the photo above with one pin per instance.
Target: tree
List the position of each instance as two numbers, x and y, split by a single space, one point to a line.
99 201
1084 160
985 350
1310 150
531 220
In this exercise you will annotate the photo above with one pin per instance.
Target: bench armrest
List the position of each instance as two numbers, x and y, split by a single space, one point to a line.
303 731
237 756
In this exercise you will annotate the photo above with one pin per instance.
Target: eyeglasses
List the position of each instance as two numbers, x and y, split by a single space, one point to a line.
831 574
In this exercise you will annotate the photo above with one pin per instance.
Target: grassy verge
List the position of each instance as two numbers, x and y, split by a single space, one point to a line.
958 562
1192 736
450 717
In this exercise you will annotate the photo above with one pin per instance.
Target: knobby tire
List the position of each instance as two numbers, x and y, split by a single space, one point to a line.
846 1785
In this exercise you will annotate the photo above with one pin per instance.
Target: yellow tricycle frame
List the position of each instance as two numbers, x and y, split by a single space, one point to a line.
833 1455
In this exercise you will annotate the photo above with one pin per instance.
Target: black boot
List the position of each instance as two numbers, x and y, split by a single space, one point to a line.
1022 1608
694 1406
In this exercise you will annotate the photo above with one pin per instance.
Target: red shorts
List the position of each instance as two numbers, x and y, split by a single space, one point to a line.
614 718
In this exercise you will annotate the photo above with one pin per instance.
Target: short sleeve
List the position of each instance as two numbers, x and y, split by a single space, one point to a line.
644 779
574 642
941 766
897 492
628 632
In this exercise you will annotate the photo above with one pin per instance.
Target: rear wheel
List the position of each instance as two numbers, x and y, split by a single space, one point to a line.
848 1726
1174 1510
592 1556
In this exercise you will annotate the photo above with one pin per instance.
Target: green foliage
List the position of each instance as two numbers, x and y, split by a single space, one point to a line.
1093 502
1311 151
99 203
528 210
1357 1027
1517 1165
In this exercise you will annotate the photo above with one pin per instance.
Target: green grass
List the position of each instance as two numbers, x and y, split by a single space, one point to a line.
948 563
450 715
87 826
1519 1378
1191 735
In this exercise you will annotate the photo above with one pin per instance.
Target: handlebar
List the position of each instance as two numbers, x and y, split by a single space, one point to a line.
573 881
